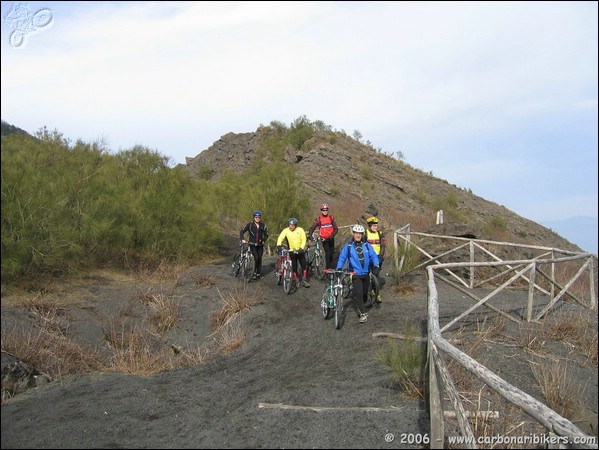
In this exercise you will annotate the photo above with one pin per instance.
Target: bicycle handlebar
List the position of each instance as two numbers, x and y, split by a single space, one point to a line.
338 271
249 243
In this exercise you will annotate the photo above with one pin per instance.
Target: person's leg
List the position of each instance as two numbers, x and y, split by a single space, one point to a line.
258 258
358 290
254 251
304 267
294 259
329 251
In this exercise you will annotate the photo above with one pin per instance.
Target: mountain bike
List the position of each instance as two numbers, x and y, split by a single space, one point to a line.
373 292
284 271
315 258
332 298
243 262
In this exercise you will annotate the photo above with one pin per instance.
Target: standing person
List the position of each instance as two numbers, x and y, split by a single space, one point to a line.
296 240
258 234
359 256
327 229
376 238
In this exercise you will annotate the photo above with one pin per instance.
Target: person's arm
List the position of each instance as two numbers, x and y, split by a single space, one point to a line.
374 259
383 245
281 237
335 229
265 235
312 228
302 239
342 257
243 231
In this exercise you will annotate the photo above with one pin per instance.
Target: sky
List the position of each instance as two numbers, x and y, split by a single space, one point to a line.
496 97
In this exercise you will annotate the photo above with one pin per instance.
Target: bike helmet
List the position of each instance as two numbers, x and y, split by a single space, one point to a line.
358 229
258 213
293 221
372 220
324 206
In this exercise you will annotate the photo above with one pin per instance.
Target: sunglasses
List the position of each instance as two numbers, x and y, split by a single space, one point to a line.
324 209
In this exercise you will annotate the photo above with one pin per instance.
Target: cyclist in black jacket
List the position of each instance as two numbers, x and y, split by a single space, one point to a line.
258 234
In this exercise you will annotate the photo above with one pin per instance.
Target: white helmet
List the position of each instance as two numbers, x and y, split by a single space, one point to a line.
358 229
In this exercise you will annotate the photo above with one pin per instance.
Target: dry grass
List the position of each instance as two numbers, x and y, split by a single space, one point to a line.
230 338
575 329
202 280
163 310
135 340
404 288
406 361
56 356
234 303
561 392
490 415
49 313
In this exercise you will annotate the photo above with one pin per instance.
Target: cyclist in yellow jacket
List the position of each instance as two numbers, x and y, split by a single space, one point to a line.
376 238
296 241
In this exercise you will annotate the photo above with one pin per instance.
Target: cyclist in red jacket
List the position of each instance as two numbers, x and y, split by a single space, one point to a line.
327 230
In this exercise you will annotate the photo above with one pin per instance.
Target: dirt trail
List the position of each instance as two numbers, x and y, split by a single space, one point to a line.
297 382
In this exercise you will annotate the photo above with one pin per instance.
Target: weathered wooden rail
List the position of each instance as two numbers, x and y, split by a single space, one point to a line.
440 381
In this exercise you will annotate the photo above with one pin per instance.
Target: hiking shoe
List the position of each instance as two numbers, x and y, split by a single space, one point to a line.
363 318
379 299
306 284
257 277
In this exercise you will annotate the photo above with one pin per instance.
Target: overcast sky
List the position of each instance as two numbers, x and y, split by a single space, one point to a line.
496 97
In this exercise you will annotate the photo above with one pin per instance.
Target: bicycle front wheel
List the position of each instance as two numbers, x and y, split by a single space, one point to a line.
235 266
347 285
338 308
249 266
374 290
324 304
319 266
287 280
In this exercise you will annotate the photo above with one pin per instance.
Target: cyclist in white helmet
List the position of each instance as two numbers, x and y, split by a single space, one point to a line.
359 256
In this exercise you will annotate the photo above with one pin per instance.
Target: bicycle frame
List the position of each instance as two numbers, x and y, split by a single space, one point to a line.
373 292
332 299
284 271
316 258
243 262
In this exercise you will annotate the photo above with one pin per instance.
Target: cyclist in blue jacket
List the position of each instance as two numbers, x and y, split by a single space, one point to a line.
360 256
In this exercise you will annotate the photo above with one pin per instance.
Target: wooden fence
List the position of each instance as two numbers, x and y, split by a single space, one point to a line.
464 276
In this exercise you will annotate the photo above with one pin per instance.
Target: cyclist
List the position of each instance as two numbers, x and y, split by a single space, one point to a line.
296 241
360 256
376 238
327 229
258 234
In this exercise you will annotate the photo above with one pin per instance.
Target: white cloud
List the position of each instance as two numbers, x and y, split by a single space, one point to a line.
461 88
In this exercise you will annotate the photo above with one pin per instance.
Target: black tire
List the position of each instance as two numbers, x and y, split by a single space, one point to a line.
338 309
324 304
347 286
287 280
374 290
278 275
309 255
319 266
235 267
249 266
